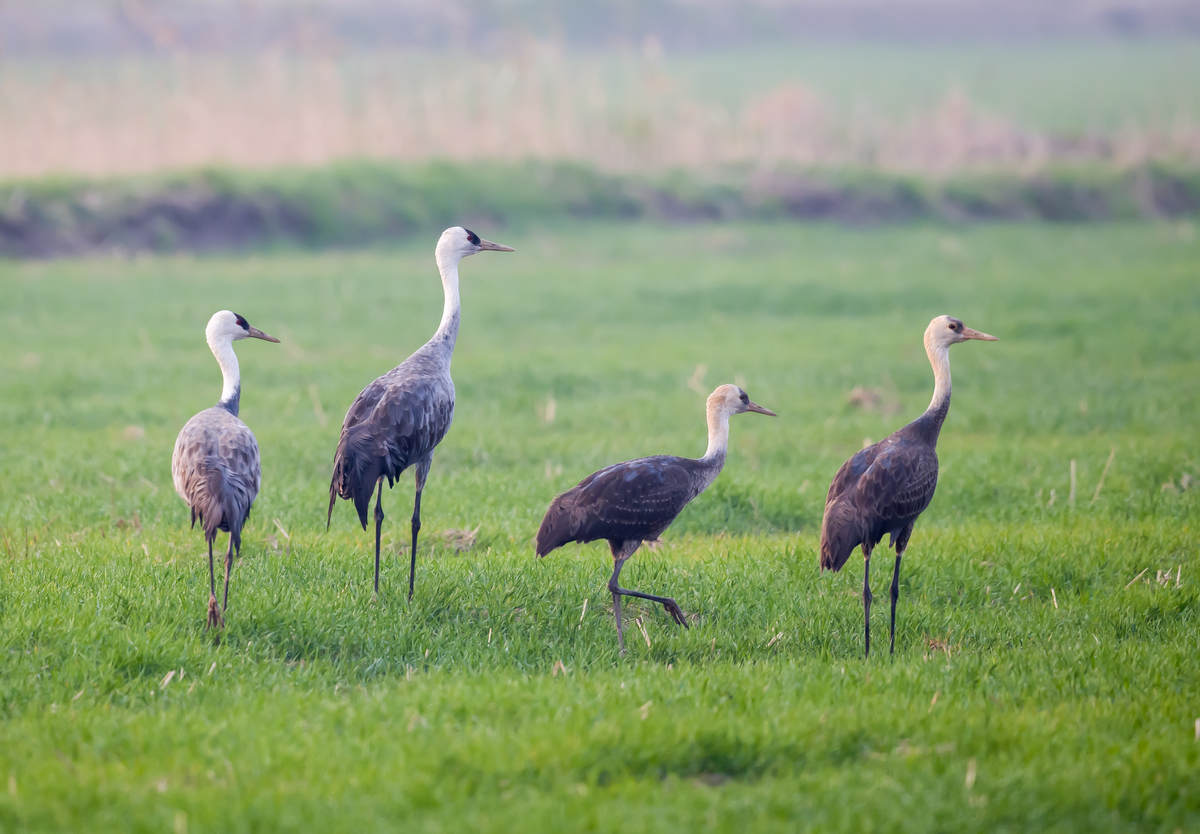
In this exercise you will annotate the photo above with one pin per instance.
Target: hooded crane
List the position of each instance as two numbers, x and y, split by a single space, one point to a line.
635 501
215 464
397 420
884 487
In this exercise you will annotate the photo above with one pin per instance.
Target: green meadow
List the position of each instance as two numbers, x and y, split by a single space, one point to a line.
1046 673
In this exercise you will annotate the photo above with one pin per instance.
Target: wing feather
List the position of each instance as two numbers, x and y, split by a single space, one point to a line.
394 422
634 500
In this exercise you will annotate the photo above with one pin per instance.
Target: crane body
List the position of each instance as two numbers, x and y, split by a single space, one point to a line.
215 463
398 419
882 489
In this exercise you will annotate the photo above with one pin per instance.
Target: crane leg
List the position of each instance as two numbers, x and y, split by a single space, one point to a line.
867 602
895 596
228 568
619 558
214 616
412 562
617 614
378 530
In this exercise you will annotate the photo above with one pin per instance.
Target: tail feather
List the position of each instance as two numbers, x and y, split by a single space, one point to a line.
840 534
353 479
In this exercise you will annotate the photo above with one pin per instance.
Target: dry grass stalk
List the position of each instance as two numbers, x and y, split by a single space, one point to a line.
583 610
1054 598
1136 578
1071 494
642 628
1100 483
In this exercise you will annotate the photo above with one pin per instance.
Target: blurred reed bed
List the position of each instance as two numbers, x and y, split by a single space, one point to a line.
627 112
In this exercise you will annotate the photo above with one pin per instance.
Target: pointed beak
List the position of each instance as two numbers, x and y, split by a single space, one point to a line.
488 246
968 333
255 333
755 407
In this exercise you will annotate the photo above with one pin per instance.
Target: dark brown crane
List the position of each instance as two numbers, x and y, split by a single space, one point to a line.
398 420
635 501
883 488
215 465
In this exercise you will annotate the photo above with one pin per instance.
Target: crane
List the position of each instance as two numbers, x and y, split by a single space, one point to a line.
398 420
215 463
884 488
635 501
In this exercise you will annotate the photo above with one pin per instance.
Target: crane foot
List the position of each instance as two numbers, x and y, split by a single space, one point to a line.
214 613
675 611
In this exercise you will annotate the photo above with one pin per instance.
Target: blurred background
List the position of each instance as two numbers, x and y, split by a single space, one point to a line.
754 97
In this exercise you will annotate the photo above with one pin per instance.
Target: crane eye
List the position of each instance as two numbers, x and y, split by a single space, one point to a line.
241 322
472 237
744 398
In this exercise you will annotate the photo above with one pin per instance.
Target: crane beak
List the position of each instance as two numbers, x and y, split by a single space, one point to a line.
968 333
255 333
488 246
755 407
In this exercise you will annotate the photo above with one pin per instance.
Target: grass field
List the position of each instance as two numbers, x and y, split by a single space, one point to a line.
1046 672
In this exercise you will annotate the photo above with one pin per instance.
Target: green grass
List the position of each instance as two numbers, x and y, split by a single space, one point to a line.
1034 684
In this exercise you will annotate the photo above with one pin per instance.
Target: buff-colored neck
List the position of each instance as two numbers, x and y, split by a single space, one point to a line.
939 359
718 430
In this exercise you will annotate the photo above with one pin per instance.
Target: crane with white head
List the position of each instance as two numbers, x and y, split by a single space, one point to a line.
215 464
635 501
882 489
398 420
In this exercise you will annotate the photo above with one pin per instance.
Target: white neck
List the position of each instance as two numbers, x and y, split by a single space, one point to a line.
718 431
448 327
222 349
939 358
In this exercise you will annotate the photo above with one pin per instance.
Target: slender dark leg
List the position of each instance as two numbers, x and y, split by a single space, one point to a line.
620 555
228 567
212 579
895 596
867 601
214 616
378 530
416 526
617 606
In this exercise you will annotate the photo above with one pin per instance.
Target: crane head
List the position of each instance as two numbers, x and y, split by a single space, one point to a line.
457 243
226 325
944 331
733 400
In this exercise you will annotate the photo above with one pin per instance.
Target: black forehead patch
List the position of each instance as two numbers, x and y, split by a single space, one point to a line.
742 395
241 322
471 236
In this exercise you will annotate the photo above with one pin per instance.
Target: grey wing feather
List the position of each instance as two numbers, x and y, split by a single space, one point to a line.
395 422
634 500
216 470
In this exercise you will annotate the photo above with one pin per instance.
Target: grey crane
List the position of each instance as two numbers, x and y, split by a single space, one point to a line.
398 420
884 487
635 501
215 464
